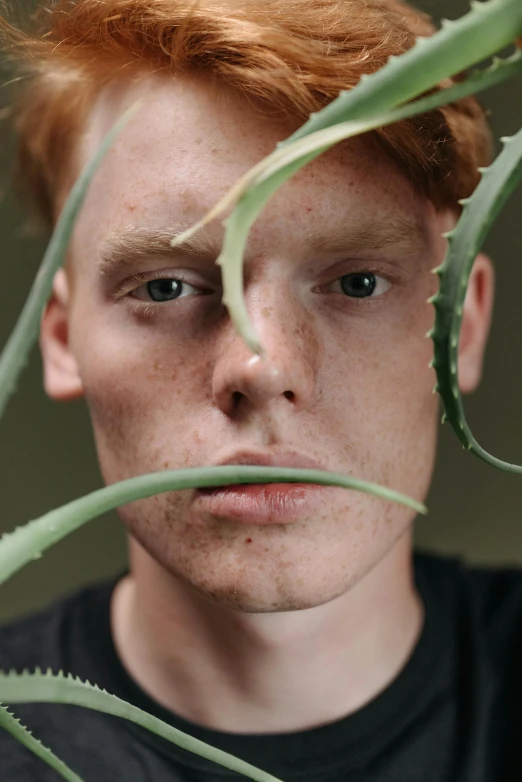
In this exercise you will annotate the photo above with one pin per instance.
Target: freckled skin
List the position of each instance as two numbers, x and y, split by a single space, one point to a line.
344 382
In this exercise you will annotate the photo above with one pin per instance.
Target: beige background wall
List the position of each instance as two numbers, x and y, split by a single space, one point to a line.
47 457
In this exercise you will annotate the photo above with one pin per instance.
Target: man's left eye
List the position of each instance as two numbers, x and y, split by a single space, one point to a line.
164 289
362 285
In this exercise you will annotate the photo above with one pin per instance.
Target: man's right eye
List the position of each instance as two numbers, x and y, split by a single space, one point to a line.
361 285
164 289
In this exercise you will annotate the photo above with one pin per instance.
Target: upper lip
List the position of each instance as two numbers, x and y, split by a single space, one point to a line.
272 459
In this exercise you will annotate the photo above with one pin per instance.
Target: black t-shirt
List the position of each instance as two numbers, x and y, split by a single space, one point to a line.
453 714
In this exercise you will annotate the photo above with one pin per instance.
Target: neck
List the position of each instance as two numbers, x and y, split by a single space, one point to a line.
272 672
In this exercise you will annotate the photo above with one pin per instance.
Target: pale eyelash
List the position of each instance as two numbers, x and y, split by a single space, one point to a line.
377 270
148 309
143 308
127 286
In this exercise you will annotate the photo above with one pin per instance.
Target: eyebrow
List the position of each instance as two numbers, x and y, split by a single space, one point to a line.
375 234
123 249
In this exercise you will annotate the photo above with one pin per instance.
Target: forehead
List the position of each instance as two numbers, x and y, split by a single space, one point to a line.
192 138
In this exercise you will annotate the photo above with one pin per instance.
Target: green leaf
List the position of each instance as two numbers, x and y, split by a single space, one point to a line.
254 189
49 688
16 351
464 242
460 44
26 543
18 731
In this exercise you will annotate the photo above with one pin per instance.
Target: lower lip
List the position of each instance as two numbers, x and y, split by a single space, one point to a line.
262 503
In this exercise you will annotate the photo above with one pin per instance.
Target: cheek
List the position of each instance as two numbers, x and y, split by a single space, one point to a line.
373 416
385 407
268 568
141 396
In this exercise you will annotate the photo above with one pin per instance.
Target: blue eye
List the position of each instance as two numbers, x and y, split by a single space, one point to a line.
358 285
362 285
164 290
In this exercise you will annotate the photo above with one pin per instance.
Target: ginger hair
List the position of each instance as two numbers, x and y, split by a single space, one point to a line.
294 56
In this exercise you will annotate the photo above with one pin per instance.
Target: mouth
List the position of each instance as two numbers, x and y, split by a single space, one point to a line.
264 503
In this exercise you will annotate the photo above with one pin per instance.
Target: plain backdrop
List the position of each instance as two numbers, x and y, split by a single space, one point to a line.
47 455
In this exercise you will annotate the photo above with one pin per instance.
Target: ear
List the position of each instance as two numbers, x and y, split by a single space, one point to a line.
61 376
476 320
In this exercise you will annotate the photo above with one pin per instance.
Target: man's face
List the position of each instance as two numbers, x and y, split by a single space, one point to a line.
169 383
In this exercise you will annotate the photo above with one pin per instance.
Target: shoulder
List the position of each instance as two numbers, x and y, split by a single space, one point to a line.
487 596
43 639
70 635
24 641
490 584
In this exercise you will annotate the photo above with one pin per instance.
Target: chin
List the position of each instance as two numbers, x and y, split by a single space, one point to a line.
272 584
255 598
257 570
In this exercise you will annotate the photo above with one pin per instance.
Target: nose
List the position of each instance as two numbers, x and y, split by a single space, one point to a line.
284 373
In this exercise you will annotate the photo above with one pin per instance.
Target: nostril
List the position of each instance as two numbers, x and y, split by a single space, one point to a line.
289 395
237 396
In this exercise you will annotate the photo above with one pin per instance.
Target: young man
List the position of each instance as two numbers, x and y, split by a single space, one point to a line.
292 627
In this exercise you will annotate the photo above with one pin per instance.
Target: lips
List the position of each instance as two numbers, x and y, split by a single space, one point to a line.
268 503
273 459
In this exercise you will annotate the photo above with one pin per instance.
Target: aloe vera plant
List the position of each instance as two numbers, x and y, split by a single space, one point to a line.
391 94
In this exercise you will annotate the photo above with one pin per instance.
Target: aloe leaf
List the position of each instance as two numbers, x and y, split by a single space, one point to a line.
464 242
16 351
13 726
269 175
486 29
26 543
237 229
44 688
319 141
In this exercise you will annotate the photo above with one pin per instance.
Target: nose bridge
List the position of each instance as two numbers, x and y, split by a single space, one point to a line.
285 370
